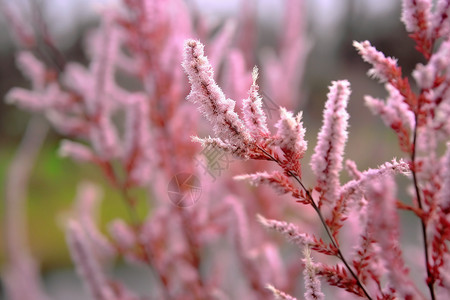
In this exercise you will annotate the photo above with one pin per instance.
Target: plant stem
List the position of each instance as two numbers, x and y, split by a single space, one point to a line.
430 280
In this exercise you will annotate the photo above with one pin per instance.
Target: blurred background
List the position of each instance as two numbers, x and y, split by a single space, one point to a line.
332 26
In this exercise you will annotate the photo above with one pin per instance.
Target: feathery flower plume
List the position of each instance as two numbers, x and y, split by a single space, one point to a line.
33 69
416 14
384 68
221 43
354 188
124 236
440 19
326 162
312 282
384 225
444 202
427 76
86 263
104 139
288 230
290 138
280 182
87 200
352 169
36 101
213 104
291 133
279 295
76 151
395 114
254 116
136 140
237 78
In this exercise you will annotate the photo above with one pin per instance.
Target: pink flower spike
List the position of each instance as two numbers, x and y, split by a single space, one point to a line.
354 188
221 43
416 15
326 162
445 191
137 154
123 235
254 116
352 169
76 151
384 68
440 19
426 75
218 143
86 204
312 282
213 104
288 230
291 133
280 182
279 295
384 223
32 68
86 263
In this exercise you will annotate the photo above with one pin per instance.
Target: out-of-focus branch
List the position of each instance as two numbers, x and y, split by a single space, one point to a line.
21 272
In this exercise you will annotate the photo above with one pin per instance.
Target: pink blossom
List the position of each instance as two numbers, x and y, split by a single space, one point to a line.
357 186
384 225
288 230
384 68
326 162
137 155
33 69
123 235
312 282
284 67
440 19
279 295
280 182
291 133
352 169
425 75
213 104
104 139
444 202
221 43
396 114
237 78
76 151
416 14
86 263
39 100
86 204
254 116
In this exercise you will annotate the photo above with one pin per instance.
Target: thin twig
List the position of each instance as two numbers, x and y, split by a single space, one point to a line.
430 279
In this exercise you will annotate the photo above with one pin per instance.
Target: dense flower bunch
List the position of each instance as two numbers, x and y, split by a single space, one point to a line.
375 269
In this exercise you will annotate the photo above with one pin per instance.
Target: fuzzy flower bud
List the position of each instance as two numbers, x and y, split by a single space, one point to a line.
213 104
326 161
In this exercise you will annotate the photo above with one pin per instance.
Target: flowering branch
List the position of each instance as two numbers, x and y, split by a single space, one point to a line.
289 139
